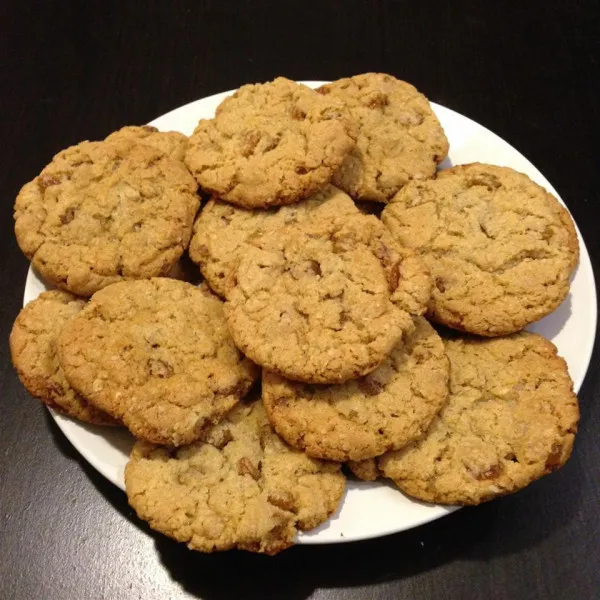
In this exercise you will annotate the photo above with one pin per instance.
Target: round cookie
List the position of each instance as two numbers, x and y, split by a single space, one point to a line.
33 350
365 417
270 144
510 419
399 136
500 248
172 143
156 354
221 229
101 212
240 487
324 301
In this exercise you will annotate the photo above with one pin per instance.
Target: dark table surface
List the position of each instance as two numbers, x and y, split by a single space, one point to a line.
71 71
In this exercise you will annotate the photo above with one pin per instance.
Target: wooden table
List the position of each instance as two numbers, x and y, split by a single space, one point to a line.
72 71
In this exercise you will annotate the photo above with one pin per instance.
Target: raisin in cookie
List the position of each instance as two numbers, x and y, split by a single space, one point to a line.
221 229
325 301
172 143
101 212
157 355
365 417
270 144
399 136
511 418
33 350
239 487
500 248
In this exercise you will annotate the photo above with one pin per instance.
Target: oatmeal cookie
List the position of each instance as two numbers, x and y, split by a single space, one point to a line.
500 248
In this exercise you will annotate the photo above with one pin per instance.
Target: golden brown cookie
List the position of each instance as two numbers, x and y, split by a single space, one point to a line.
172 143
365 470
510 419
399 136
500 248
325 301
221 229
101 212
33 350
365 417
270 144
240 487
157 355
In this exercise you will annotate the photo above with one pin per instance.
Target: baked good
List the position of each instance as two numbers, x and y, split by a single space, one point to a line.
365 470
511 418
172 143
239 487
101 212
500 248
221 229
33 350
399 136
364 417
270 144
156 354
324 301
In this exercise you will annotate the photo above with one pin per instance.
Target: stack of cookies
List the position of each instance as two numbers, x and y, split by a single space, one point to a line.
309 344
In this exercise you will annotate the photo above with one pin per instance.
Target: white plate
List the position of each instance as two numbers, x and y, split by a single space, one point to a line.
375 509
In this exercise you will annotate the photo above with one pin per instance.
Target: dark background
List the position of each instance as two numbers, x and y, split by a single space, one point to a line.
78 70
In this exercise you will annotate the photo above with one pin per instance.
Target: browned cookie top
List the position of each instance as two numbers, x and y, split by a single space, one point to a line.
365 417
270 144
511 418
324 301
399 136
101 212
500 248
222 230
156 354
241 487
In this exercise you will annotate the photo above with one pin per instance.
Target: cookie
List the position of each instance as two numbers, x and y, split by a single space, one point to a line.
102 212
221 229
270 144
500 248
240 487
365 470
399 136
324 301
172 143
510 419
365 417
156 354
33 351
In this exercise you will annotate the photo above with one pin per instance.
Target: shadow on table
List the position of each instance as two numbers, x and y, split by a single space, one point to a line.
501 527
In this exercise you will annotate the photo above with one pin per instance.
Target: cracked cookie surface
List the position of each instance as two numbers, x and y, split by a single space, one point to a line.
365 417
101 212
399 136
221 229
172 143
510 419
270 144
325 301
156 354
500 248
33 350
241 487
